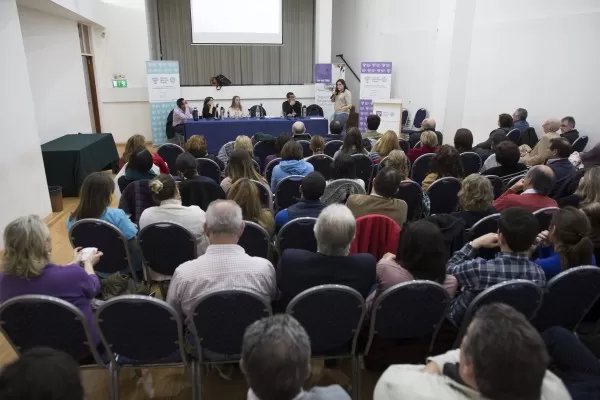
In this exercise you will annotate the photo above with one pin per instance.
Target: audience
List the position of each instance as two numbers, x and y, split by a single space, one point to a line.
475 199
535 188
445 163
517 231
244 142
196 189
139 167
317 145
541 152
384 146
136 142
566 243
502 357
592 210
41 373
373 122
559 163
310 205
240 166
398 161
27 269
353 144
292 163
344 167
488 156
588 190
429 144
299 131
196 146
381 200
568 131
245 193
520 119
505 125
225 265
188 170
335 130
428 124
276 357
507 157
280 141
299 269
463 140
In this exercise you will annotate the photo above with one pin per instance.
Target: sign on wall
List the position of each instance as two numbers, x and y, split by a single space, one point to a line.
325 77
375 84
163 91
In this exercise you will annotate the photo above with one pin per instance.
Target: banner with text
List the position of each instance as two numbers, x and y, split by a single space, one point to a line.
325 77
163 91
375 84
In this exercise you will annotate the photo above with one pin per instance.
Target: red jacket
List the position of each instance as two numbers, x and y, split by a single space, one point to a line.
530 201
156 160
375 234
417 152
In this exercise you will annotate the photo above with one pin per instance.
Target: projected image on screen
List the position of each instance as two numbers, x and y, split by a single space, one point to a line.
237 22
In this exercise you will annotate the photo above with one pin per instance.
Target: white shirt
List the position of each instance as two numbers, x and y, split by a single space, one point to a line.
235 113
529 191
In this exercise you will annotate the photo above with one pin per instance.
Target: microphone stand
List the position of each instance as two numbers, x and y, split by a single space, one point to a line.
348 65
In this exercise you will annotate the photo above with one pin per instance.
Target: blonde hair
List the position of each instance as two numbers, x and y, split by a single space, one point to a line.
244 143
133 143
245 193
387 144
476 193
429 139
196 146
317 144
589 187
397 160
26 247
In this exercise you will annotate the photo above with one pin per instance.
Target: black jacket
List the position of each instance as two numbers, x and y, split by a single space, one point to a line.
207 114
563 172
571 136
287 108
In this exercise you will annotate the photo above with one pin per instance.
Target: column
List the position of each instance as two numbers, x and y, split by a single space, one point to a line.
323 31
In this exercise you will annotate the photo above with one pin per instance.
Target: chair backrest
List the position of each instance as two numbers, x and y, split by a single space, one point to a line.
497 184
514 135
322 164
297 234
421 167
307 152
201 194
364 169
287 192
524 296
219 320
169 152
136 198
339 190
482 227
568 298
544 216
404 145
255 240
253 111
332 316
269 169
332 146
471 162
420 115
263 149
123 183
418 144
404 117
90 232
165 246
208 168
409 310
314 110
375 234
513 180
256 166
580 143
141 329
443 195
412 194
264 191
34 321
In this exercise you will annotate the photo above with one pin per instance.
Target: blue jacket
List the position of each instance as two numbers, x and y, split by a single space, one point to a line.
549 261
287 168
304 208
521 125
563 171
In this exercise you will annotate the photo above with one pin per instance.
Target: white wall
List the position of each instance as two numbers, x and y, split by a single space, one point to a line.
23 182
55 74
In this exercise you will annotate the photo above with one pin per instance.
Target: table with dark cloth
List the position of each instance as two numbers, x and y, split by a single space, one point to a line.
70 158
219 132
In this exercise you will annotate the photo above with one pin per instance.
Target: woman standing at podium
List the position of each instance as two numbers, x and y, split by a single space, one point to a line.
236 110
209 110
342 97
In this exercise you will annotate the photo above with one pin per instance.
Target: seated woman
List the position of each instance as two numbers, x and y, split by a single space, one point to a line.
507 156
209 110
136 142
566 243
245 143
429 144
475 198
317 145
280 141
138 168
245 193
240 166
398 160
463 140
587 192
353 144
344 168
196 146
236 110
445 163
384 146
27 269
196 189
292 163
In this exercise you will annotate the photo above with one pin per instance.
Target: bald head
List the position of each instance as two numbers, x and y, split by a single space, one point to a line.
298 128
539 178
551 125
428 124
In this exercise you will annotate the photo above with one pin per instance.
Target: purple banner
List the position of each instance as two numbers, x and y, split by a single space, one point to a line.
323 73
376 68
366 108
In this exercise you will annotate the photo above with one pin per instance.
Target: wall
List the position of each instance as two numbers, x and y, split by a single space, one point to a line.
23 182
55 74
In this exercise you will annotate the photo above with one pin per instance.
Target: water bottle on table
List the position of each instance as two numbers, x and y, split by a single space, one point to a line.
303 111
195 114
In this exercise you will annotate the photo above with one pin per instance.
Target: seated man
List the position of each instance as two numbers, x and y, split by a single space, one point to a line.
427 125
335 131
299 131
310 205
381 200
559 163
536 187
501 357
567 129
225 265
373 122
181 113
520 119
505 125
517 232
541 152
276 362
299 270
291 107
489 156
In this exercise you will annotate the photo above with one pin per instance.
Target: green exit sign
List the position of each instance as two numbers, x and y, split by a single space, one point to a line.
120 83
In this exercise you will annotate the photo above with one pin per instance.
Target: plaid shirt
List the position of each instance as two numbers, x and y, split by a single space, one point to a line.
477 274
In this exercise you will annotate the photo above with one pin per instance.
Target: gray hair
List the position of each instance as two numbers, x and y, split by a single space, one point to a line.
276 357
26 247
522 113
334 230
428 124
570 121
298 128
224 217
542 179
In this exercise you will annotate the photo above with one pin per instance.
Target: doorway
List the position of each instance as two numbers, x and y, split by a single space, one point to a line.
92 95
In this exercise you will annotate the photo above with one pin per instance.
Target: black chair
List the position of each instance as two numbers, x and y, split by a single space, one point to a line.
420 116
253 111
44 321
364 169
568 297
421 167
417 145
511 181
404 117
322 164
409 310
263 149
208 168
123 183
412 194
544 216
90 232
169 152
497 184
165 246
524 296
332 315
314 110
482 227
471 162
264 191
297 234
287 192
580 143
443 195
332 146
256 241
169 128
136 198
306 151
145 333
256 166
404 145
269 169
514 135
201 194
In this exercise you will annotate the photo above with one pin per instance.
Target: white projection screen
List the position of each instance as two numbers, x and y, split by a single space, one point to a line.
237 22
